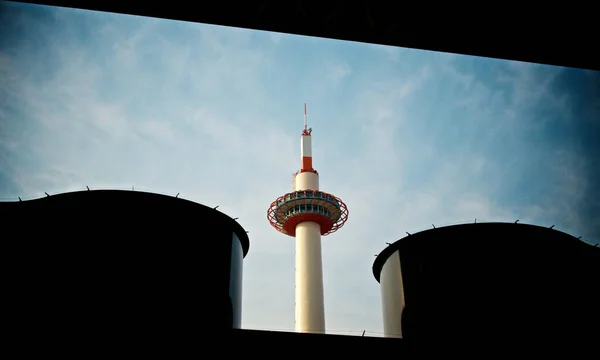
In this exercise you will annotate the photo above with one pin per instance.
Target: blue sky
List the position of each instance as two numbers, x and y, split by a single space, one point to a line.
406 138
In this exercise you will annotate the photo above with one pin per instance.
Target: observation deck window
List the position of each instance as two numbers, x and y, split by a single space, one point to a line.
310 208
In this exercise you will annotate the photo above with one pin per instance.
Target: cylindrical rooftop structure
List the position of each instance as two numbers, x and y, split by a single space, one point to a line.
126 263
488 282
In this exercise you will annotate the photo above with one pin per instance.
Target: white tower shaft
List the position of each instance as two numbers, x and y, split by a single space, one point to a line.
309 307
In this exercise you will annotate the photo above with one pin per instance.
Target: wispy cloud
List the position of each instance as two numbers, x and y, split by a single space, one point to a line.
276 37
406 138
337 71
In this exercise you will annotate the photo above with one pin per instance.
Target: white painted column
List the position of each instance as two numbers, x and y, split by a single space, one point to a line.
310 308
306 181
392 296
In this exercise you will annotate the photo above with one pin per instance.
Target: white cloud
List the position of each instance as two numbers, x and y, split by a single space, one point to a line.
160 130
126 50
337 71
569 189
531 84
276 37
393 54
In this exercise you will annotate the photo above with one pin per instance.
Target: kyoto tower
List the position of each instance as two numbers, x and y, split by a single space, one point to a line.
307 214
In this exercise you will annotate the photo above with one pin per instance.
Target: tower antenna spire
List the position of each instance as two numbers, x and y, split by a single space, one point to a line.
304 116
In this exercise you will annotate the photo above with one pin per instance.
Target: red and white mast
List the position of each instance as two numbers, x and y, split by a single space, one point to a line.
307 214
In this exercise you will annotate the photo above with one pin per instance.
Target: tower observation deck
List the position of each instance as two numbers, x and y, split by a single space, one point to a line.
307 213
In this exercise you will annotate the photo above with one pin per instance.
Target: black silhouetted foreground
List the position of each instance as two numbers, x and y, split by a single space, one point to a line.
131 273
121 264
499 284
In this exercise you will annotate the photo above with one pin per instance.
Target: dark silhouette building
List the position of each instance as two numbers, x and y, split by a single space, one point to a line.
122 264
496 286
155 274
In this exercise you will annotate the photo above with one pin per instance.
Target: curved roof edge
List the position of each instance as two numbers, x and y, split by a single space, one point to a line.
235 226
382 257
